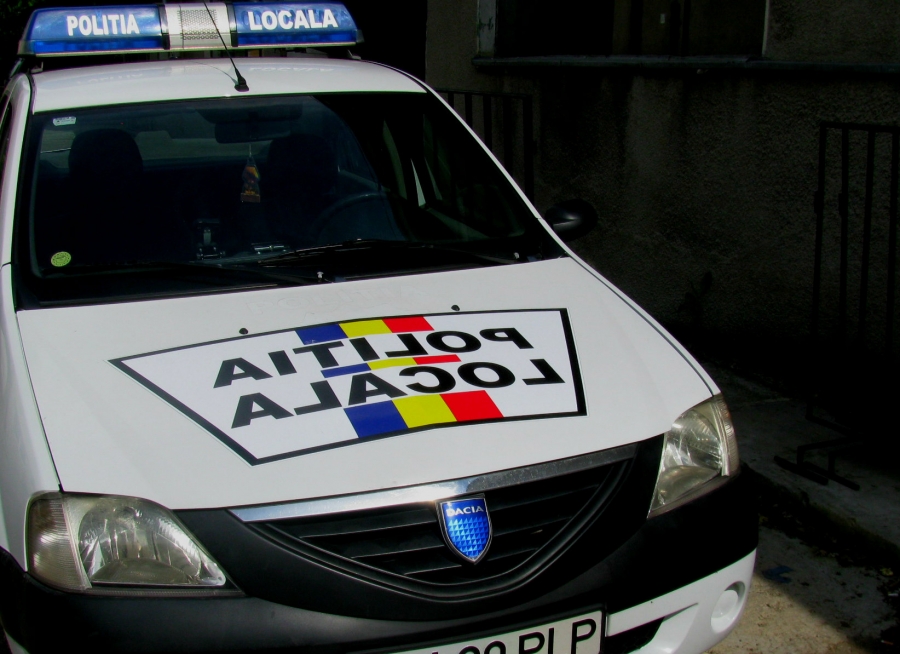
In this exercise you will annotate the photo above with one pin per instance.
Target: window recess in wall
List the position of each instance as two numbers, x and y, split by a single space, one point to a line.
535 28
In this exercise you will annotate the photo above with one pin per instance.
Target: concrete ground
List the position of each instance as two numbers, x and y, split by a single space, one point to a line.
804 601
769 424
828 572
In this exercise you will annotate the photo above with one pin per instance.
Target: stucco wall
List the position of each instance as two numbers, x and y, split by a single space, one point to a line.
702 174
694 174
834 31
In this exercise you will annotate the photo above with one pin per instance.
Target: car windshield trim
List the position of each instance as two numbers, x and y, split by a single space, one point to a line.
362 245
297 181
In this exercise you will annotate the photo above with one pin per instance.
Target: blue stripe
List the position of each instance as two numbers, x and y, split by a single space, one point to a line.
293 38
346 370
374 419
321 334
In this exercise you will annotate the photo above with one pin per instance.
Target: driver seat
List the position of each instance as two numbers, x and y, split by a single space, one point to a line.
111 217
298 183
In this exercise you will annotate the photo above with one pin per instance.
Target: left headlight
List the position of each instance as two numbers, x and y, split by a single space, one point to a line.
698 449
78 542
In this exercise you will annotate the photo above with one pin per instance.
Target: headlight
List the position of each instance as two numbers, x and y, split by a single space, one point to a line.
78 542
699 448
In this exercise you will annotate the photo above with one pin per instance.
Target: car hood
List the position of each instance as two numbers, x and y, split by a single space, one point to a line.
283 394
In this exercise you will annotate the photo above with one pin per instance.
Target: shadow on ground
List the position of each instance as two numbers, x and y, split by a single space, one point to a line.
828 571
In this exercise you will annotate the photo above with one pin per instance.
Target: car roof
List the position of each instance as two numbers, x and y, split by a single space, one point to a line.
188 79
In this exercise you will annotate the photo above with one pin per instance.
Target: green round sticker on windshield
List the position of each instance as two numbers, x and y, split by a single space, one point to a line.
61 259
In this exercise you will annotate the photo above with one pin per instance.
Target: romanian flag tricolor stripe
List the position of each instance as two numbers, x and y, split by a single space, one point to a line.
420 411
357 328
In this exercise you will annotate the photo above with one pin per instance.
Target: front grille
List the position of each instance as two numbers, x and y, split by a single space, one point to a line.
406 540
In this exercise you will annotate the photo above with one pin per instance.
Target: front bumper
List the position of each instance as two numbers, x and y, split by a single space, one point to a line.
671 571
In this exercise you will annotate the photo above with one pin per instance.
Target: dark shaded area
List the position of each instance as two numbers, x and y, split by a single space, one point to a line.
503 121
531 27
854 357
394 34
849 547
648 27
631 640
13 16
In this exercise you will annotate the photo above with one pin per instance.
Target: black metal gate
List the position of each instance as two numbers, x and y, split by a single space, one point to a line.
505 123
853 367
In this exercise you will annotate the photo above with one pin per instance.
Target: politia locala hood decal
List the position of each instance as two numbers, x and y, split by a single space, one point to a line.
287 393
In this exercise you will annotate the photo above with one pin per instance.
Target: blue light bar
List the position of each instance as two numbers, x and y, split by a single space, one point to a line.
183 26
82 30
290 23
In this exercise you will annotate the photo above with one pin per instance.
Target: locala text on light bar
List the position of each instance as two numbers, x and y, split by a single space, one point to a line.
149 28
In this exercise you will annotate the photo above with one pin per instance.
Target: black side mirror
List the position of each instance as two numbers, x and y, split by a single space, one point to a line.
571 219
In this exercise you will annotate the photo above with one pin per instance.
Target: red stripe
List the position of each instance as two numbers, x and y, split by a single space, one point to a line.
413 324
471 405
440 358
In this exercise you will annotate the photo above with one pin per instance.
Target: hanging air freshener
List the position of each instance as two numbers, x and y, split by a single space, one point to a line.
250 192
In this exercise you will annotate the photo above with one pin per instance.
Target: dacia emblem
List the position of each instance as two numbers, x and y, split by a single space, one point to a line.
466 527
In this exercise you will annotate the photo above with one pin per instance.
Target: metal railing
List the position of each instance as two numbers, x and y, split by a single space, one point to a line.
505 122
853 356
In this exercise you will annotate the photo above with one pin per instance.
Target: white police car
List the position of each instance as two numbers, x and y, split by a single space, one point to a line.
288 362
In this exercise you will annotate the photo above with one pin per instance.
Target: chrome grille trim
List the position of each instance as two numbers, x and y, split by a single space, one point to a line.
436 491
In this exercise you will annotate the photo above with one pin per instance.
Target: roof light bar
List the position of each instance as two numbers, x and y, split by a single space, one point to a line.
187 26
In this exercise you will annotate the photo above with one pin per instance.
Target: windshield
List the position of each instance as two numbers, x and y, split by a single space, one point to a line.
205 195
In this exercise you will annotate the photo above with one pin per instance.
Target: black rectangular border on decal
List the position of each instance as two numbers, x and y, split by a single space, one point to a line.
121 364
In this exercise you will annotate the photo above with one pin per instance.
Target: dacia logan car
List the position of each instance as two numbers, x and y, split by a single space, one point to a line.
289 362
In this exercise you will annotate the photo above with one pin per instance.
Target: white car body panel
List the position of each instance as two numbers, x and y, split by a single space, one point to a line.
191 79
690 623
19 100
111 435
26 466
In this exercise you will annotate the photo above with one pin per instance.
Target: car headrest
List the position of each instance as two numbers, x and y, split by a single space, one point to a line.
300 162
104 154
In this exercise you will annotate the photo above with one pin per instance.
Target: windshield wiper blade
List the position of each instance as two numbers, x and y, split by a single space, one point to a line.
195 267
375 244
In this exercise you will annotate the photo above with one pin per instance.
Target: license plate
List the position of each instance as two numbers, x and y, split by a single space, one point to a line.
578 635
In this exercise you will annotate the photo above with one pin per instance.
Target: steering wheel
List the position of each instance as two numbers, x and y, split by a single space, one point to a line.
320 223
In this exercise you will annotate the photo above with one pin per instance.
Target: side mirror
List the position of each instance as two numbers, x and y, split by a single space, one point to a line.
571 219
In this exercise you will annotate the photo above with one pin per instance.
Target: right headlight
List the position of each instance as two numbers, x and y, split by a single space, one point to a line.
85 542
698 449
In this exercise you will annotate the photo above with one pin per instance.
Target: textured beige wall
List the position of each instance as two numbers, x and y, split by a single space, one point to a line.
695 173
834 30
705 174
450 45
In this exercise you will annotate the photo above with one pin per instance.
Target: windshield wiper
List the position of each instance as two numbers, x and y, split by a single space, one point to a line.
380 245
214 269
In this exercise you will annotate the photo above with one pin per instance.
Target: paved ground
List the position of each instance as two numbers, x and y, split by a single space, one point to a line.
805 600
770 424
828 572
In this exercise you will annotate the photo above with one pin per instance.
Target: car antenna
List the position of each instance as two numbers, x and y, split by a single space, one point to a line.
241 84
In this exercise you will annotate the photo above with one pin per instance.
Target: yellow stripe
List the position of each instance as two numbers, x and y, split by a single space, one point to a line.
364 328
391 363
424 410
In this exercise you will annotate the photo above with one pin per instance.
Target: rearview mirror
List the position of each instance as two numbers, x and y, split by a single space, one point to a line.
571 219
